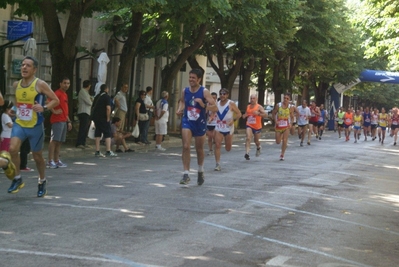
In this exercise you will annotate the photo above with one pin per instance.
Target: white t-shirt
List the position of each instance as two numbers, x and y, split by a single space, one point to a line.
148 101
304 113
162 105
121 97
6 133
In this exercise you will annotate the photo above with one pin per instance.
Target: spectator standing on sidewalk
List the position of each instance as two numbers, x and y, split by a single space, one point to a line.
6 125
161 120
60 124
121 105
142 117
102 121
29 97
84 106
150 110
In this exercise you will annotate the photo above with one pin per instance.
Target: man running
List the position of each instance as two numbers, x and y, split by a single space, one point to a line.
193 103
340 120
357 124
253 114
227 113
366 123
314 118
383 124
348 121
303 121
283 115
29 95
322 121
210 126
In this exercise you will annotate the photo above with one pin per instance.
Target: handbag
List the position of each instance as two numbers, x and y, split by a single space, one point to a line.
92 129
143 117
136 131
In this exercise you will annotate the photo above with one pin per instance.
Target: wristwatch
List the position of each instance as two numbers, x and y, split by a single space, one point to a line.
44 108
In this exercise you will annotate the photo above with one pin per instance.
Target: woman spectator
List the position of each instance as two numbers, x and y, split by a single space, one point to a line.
141 116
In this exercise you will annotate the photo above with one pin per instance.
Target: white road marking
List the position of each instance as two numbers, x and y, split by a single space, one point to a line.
324 217
278 261
285 244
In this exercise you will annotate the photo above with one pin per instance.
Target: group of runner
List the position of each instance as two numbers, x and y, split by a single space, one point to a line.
370 122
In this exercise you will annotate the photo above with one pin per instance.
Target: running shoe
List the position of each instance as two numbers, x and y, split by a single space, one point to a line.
9 170
301 144
16 184
129 150
258 151
110 154
281 157
394 143
309 143
51 165
185 179
42 190
200 179
119 151
218 168
60 164
210 153
246 156
99 154
81 146
355 141
319 137
161 148
87 146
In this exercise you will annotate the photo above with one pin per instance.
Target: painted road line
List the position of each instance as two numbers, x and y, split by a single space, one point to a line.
324 217
275 241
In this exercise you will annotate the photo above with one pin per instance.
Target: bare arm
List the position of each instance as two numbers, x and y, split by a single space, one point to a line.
136 112
43 88
211 104
181 106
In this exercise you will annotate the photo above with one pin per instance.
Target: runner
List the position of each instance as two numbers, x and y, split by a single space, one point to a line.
395 125
193 103
348 121
253 114
340 120
283 115
383 120
210 126
357 124
303 121
366 123
314 118
226 115
322 120
374 124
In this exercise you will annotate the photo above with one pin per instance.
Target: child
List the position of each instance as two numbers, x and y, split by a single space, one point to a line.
6 125
118 137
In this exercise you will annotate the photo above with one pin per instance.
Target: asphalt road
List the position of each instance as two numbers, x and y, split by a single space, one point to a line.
330 204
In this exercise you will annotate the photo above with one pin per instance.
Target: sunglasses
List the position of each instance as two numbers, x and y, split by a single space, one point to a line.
223 94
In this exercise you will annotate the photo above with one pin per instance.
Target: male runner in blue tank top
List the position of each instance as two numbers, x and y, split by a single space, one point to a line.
192 108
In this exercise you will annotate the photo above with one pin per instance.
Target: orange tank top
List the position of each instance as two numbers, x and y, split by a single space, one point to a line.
254 121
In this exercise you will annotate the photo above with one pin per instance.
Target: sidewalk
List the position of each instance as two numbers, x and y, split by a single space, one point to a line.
173 139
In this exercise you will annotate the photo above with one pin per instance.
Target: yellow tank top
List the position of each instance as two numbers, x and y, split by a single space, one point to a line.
25 98
383 120
282 117
357 120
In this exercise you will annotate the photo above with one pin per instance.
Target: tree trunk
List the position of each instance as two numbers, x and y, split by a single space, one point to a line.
262 81
243 93
170 71
129 49
63 47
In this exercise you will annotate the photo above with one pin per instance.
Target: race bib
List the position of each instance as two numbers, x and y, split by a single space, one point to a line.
282 123
348 121
221 124
24 112
251 120
357 123
394 123
193 113
367 120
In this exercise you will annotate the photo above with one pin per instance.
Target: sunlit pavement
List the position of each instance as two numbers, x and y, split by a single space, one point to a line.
330 204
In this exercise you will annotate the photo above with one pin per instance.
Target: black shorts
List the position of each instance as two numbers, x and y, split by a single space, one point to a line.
314 123
102 127
210 127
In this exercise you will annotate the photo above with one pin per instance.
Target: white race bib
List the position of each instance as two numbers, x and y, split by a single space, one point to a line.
251 120
282 123
193 113
24 112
